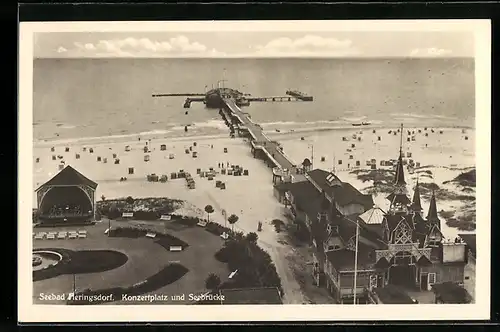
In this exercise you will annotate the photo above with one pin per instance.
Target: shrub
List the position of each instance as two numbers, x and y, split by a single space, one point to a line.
129 200
212 282
167 240
254 265
168 275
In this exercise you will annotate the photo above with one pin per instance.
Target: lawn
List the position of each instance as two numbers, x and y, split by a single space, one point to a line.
146 257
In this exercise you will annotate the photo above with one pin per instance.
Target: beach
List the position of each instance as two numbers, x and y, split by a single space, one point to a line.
446 155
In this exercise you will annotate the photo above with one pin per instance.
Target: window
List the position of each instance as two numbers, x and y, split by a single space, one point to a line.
466 278
432 278
402 234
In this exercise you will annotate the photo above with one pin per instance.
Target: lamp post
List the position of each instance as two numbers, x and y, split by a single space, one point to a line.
312 155
355 259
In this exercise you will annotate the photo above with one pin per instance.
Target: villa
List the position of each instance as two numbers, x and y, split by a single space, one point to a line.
397 247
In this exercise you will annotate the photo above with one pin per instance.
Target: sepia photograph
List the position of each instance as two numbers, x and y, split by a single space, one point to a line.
321 169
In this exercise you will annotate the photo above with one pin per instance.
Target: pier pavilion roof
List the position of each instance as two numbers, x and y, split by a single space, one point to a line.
69 177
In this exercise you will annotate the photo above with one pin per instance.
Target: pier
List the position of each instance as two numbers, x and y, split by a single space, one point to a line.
263 146
300 95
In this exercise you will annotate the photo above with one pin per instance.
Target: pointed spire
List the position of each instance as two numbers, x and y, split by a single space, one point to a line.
399 179
432 215
400 176
416 205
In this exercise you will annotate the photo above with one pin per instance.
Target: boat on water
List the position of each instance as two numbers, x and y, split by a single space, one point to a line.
357 124
366 123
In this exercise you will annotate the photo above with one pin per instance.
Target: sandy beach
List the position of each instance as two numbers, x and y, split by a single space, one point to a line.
450 148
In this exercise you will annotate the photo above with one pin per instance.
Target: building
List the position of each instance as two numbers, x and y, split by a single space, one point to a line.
470 268
68 197
398 247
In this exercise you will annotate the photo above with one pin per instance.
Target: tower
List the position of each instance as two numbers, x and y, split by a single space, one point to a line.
416 206
432 215
399 197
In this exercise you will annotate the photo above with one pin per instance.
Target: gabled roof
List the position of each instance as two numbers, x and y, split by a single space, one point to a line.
69 176
343 259
264 295
373 216
343 194
393 295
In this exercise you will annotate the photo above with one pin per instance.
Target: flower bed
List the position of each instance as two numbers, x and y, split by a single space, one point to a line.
85 261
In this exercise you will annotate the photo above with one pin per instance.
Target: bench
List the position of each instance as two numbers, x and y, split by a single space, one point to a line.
224 235
72 235
127 215
175 248
62 235
151 235
202 223
165 217
39 236
51 236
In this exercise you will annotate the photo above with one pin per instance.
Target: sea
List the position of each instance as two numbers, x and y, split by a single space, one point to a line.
82 98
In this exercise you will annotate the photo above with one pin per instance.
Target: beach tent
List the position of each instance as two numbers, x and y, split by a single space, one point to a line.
130 170
163 147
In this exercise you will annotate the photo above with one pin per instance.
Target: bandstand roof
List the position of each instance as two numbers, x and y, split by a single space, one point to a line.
69 176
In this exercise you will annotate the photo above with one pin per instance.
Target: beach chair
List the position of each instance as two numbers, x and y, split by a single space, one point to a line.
151 235
175 248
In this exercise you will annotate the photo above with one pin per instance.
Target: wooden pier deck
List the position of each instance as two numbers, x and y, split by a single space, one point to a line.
261 142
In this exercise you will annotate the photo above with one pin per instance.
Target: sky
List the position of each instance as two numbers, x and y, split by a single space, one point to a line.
255 44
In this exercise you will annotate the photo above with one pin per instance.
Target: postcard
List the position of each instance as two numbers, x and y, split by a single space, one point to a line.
254 171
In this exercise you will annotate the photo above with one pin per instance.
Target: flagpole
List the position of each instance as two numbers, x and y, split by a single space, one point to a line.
356 263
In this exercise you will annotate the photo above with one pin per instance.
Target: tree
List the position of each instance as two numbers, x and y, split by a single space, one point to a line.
212 282
209 209
232 220
103 198
129 200
252 237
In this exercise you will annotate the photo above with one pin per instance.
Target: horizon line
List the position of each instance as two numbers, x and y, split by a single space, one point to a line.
255 57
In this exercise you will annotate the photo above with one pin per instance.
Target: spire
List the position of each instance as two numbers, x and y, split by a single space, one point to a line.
432 215
399 179
416 205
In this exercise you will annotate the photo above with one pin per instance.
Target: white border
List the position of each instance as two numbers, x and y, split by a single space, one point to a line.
28 312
